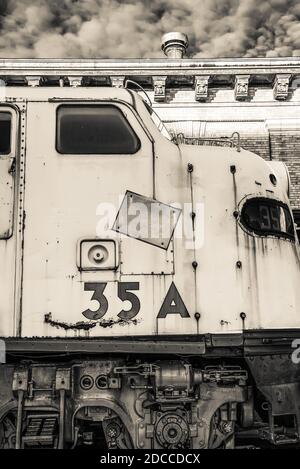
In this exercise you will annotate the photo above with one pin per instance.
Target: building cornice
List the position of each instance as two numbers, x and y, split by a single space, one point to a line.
192 67
159 75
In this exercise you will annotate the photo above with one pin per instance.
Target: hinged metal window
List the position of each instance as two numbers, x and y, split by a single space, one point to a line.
263 216
94 129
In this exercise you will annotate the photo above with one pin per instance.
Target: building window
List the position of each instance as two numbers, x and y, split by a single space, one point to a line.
5 133
94 130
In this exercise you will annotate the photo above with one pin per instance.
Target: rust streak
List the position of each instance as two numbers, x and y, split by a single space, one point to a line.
83 325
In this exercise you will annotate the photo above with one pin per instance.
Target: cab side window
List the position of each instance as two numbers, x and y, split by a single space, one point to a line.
6 174
94 129
5 133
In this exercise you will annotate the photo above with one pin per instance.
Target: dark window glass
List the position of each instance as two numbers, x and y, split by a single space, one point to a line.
94 130
5 132
266 216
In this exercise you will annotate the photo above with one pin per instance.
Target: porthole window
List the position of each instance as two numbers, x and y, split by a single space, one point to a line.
94 130
267 217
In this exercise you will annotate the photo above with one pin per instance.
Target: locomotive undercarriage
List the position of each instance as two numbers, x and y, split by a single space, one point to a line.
117 402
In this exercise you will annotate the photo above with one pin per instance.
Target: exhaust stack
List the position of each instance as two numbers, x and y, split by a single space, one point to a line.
174 45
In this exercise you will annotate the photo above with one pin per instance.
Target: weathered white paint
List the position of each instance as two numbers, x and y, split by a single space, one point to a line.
61 197
8 228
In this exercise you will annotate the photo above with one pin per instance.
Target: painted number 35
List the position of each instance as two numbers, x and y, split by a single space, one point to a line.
124 293
172 304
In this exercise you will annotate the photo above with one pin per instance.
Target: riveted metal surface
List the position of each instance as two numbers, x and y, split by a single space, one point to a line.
11 248
213 294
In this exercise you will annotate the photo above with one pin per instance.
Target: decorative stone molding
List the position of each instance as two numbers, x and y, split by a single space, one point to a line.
241 87
117 81
281 86
159 84
201 87
33 81
283 124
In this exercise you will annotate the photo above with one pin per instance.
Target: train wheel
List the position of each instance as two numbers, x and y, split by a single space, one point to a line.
8 432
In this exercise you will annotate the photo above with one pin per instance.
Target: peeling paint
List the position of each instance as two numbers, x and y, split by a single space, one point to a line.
223 322
84 325
120 322
77 326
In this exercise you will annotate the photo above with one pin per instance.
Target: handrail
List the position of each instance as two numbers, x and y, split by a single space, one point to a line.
210 141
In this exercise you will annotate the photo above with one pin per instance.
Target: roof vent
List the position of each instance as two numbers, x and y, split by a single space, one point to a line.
174 45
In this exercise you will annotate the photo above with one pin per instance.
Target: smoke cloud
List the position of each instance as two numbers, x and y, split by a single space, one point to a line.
124 28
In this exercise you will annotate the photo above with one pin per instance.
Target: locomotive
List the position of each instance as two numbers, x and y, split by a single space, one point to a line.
148 282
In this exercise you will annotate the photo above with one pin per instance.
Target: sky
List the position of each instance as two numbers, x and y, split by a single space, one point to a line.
127 29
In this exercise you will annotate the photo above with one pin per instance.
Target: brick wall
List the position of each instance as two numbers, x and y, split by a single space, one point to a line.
259 145
283 146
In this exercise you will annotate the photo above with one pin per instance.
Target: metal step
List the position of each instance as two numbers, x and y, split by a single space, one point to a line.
41 430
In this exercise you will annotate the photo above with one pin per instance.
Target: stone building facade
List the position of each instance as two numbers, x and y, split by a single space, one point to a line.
259 99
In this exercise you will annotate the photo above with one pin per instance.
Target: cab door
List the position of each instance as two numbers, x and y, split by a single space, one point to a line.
8 170
82 156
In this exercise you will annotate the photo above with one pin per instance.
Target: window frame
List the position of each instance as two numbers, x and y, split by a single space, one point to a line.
12 159
266 233
96 104
161 127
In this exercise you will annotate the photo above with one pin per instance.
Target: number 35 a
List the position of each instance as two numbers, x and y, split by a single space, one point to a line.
124 294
